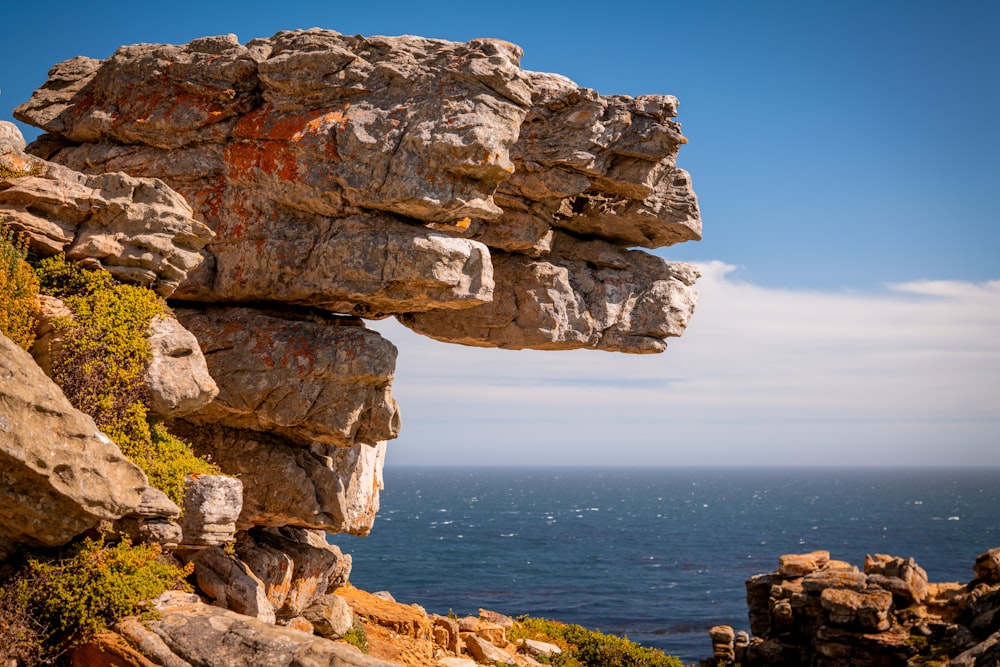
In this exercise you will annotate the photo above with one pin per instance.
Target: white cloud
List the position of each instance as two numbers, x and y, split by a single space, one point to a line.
907 376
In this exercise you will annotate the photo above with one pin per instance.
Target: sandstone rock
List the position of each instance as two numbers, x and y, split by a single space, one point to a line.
321 487
581 295
539 649
906 580
983 654
230 583
177 376
298 623
446 633
330 616
60 475
835 578
295 565
491 632
48 338
309 380
153 520
799 565
212 504
869 610
484 651
138 229
987 566
496 618
199 634
363 176
106 649
402 619
456 662
722 637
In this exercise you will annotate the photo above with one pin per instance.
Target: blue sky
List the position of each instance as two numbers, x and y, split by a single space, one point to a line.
845 156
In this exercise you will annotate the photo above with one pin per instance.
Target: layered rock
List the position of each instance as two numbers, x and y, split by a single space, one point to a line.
304 377
827 613
59 474
188 632
286 484
138 229
365 175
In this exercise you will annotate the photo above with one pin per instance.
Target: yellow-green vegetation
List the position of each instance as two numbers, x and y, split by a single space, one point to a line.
929 654
100 366
7 172
54 602
357 637
589 648
18 289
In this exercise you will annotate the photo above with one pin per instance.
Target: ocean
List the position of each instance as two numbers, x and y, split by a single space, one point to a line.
657 554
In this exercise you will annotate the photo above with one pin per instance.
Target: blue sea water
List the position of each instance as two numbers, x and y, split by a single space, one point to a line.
657 554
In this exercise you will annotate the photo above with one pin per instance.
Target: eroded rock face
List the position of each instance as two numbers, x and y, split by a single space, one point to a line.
59 475
582 294
399 176
305 378
138 229
285 484
199 634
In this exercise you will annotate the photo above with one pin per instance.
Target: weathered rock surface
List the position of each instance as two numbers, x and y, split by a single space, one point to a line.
59 474
138 229
307 379
284 484
212 505
190 633
330 616
177 377
154 520
582 294
230 583
295 566
826 613
390 175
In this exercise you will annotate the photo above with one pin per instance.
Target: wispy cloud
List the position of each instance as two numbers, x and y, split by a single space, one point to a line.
909 375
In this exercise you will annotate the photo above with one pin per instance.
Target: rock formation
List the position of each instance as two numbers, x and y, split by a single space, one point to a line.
282 191
827 613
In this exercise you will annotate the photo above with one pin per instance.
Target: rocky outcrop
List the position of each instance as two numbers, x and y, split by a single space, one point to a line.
280 191
138 229
59 474
827 613
393 175
189 632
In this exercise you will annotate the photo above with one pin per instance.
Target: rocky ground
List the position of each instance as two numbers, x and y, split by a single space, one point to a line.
826 613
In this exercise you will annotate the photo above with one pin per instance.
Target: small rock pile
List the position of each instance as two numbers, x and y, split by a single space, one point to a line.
825 613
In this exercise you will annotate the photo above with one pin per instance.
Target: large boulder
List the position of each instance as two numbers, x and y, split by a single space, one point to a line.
59 474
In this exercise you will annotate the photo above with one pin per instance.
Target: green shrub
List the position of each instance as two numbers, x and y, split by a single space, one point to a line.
7 172
18 289
589 648
101 364
66 600
357 637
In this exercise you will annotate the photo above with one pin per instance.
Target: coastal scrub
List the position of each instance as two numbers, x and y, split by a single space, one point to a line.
18 289
589 648
101 364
